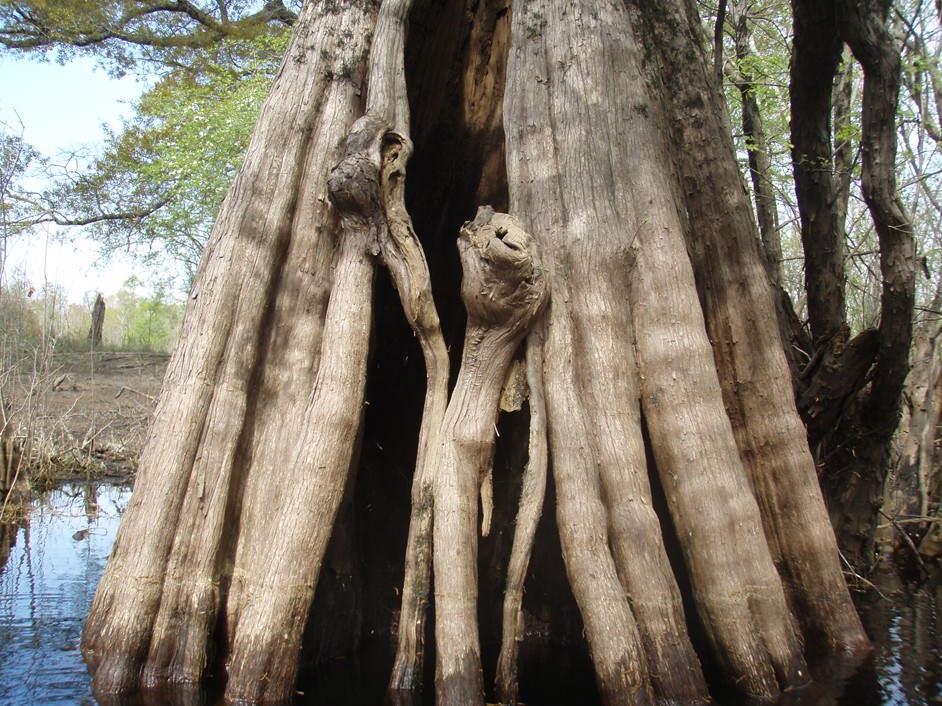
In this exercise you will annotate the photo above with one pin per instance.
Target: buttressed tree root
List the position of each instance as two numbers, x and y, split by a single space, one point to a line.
504 291
261 416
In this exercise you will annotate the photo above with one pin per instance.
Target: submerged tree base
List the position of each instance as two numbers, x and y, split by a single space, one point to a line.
294 409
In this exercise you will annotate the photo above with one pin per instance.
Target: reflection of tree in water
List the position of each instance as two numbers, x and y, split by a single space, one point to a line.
908 663
90 497
8 532
47 580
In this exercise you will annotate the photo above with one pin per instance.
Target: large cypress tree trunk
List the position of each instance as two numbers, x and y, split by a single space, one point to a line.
655 385
757 391
221 457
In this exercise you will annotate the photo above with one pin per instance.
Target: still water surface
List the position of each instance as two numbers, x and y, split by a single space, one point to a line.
51 563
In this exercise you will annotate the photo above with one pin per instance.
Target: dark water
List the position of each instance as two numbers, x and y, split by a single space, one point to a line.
51 563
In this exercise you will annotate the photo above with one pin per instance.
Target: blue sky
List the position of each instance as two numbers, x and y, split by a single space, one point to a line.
59 108
62 106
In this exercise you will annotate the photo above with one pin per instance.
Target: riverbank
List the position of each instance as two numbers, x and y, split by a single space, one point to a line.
77 416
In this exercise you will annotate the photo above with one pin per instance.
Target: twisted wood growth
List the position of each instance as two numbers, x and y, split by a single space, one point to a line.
402 254
504 291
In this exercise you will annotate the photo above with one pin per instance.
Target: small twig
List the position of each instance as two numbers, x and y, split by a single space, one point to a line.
89 439
907 539
916 519
867 582
136 392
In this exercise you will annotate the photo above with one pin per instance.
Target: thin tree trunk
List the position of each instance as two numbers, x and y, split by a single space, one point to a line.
98 321
844 152
760 163
816 54
532 493
908 496
858 451
864 27
10 458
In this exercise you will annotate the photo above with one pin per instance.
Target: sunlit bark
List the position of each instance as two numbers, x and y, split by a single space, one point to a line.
658 379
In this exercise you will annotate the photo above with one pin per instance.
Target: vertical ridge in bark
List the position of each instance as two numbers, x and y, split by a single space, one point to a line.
267 640
206 382
747 351
610 200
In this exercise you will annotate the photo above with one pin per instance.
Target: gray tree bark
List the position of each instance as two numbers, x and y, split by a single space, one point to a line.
652 384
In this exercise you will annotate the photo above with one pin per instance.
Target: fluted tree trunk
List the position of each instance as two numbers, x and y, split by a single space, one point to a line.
666 419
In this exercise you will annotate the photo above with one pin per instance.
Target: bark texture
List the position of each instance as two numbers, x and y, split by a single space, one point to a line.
615 236
851 390
237 386
263 468
98 321
760 162
817 47
913 496
757 391
532 494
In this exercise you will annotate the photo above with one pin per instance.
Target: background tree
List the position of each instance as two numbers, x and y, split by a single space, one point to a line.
95 330
844 287
17 157
156 186
914 495
126 35
142 320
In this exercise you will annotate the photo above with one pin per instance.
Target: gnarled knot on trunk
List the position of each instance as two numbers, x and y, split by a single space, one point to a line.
504 282
354 184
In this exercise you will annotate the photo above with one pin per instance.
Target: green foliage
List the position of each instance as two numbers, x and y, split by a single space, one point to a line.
139 35
135 319
138 321
157 185
765 69
36 317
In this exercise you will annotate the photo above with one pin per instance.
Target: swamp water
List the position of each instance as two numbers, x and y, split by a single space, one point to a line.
50 565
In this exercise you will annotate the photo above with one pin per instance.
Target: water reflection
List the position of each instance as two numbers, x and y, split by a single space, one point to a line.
49 568
51 563
906 626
